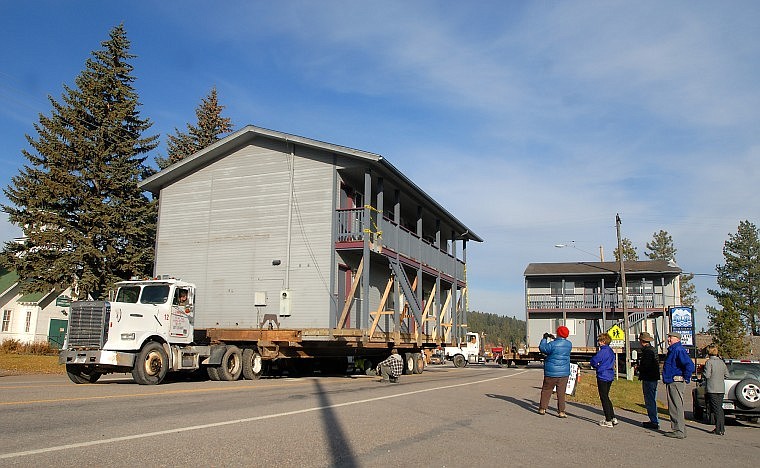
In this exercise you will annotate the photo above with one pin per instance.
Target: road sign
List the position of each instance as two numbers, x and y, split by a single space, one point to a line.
618 336
63 301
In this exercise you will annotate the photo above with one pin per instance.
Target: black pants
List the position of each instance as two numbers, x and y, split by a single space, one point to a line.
714 402
604 396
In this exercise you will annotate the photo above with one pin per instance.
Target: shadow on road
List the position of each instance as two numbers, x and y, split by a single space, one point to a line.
340 447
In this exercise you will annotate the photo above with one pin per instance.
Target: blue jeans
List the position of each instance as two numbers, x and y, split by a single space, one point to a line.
649 387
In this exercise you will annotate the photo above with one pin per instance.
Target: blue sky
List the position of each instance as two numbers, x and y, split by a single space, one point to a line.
532 122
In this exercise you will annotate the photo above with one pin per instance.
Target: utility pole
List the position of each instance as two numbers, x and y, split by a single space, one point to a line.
628 373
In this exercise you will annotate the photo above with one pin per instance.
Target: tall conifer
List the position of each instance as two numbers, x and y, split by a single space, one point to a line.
209 129
86 222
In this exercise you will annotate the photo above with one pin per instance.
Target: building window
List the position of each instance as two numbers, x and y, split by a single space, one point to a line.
556 287
28 324
6 320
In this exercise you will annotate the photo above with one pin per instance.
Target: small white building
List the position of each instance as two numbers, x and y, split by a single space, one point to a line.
37 317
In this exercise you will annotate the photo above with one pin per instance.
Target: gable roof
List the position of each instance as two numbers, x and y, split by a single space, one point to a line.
638 268
226 145
8 279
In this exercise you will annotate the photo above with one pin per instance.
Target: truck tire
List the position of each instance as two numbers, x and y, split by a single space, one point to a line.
459 361
80 374
408 363
213 373
253 364
232 364
697 411
748 393
151 364
419 363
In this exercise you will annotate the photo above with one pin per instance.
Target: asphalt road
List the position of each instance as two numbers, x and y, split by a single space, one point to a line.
476 416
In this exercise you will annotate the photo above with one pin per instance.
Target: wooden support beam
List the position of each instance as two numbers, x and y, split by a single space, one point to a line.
350 297
428 304
443 312
381 306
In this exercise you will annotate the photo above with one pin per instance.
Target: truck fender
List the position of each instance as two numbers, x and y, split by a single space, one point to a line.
215 356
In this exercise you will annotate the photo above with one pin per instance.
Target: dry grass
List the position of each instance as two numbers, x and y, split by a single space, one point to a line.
625 394
17 358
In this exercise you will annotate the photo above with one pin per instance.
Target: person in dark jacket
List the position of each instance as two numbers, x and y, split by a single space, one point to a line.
676 373
604 363
649 375
556 369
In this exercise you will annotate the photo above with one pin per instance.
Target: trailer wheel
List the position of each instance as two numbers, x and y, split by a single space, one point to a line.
253 364
80 374
419 363
408 363
232 364
459 361
151 364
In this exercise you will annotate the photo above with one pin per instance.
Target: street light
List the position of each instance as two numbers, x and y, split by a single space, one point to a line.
571 244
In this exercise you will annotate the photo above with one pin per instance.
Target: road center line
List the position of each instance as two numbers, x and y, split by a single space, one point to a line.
240 421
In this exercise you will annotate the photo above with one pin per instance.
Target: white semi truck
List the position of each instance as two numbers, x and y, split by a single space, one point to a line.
147 328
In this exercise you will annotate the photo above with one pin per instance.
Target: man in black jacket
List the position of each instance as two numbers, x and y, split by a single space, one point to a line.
649 374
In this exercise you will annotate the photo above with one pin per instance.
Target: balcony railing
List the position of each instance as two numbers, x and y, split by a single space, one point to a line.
594 301
397 238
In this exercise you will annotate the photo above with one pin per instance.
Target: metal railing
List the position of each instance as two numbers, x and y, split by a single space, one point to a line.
397 238
594 301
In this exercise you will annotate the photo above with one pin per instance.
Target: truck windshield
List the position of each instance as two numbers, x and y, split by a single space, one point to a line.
155 294
128 294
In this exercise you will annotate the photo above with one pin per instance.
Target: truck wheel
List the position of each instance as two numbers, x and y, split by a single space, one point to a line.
459 361
419 363
748 393
253 364
151 364
213 373
232 364
82 374
408 363
697 410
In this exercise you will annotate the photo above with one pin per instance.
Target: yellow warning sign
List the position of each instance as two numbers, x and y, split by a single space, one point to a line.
616 333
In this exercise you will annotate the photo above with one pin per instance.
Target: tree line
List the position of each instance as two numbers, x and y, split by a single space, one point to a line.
499 330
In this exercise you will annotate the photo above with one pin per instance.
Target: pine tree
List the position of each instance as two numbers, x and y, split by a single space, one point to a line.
727 329
85 220
211 125
629 251
662 248
739 278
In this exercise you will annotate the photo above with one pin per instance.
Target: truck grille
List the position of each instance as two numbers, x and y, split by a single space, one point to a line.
88 324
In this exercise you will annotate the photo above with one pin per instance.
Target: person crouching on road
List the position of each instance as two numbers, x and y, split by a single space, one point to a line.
604 363
715 373
391 368
556 369
676 373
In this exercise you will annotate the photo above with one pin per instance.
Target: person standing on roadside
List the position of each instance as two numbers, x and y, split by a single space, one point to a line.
604 363
649 375
715 373
556 369
676 373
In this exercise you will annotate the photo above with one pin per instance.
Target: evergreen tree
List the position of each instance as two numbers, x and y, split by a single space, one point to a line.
86 222
662 248
739 278
499 330
727 329
211 125
629 251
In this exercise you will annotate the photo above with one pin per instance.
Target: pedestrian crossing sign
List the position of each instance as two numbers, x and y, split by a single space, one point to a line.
616 333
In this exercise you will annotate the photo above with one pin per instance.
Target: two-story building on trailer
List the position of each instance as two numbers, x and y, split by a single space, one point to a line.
587 297
286 232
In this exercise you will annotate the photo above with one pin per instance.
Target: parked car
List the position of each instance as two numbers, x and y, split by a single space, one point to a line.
742 396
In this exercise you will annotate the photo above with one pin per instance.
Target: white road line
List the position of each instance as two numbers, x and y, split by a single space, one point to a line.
239 421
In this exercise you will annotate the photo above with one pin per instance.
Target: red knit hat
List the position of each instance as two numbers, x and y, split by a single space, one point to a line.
563 331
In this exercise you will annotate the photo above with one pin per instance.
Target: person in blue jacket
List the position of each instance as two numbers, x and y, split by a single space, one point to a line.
604 363
556 369
676 373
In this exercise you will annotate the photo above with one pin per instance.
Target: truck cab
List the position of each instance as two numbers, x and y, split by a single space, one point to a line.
469 351
133 331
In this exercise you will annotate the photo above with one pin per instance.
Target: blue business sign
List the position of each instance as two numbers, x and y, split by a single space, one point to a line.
682 321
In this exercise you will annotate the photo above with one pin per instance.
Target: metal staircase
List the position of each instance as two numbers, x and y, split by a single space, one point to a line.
406 287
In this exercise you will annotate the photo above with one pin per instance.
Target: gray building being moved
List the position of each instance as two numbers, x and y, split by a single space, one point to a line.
281 231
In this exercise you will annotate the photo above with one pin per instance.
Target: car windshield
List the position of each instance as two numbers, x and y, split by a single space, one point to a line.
155 294
743 370
128 294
